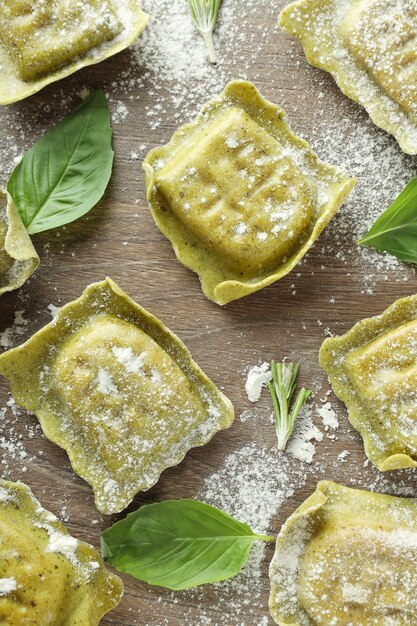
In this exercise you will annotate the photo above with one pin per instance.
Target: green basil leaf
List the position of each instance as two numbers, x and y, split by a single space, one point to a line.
395 231
67 171
179 544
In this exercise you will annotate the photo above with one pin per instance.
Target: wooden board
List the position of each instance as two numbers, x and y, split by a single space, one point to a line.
334 287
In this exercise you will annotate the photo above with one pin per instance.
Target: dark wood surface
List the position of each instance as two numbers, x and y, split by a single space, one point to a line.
333 288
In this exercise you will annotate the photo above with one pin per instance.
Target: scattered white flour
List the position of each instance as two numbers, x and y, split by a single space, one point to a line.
257 378
120 112
240 229
301 444
9 336
132 363
64 515
13 422
252 484
232 142
4 495
343 456
382 171
247 415
53 310
110 486
7 585
64 544
328 416
355 594
105 383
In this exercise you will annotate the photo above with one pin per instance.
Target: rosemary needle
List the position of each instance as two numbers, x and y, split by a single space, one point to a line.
204 14
282 388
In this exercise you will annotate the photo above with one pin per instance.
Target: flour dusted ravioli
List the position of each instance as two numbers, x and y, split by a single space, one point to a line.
373 369
47 577
370 48
347 558
240 197
43 41
117 390
383 36
18 258
33 32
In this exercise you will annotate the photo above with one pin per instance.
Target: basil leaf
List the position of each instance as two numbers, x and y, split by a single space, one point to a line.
179 544
67 171
395 231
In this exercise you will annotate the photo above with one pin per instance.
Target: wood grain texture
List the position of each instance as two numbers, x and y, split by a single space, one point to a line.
329 293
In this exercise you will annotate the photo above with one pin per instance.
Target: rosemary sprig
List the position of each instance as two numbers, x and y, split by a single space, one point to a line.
204 14
282 388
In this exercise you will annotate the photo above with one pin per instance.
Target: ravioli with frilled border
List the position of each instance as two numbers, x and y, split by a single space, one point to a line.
118 390
373 370
347 558
18 257
44 41
370 48
47 577
241 198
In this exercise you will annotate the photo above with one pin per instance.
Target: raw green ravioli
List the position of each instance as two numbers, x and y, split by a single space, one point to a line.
240 197
373 370
18 257
118 390
347 558
33 33
369 47
47 577
43 41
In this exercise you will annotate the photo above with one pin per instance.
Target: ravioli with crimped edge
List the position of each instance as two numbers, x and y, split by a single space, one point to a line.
370 48
241 198
117 390
47 577
44 41
373 370
346 557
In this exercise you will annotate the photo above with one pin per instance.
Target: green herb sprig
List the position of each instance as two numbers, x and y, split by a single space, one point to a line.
204 14
282 388
395 231
179 544
67 171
